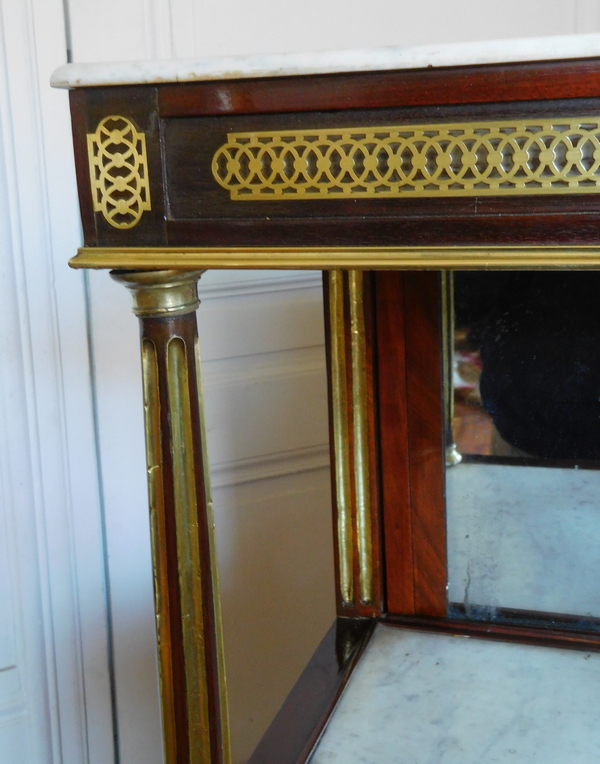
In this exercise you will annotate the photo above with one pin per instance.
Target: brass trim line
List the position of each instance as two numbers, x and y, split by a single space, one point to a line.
360 420
222 678
341 446
188 552
159 549
329 258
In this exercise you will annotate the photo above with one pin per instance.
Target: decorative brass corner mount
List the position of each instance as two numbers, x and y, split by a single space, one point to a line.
119 172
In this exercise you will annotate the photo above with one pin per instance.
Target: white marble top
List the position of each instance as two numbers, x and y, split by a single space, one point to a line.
419 698
283 65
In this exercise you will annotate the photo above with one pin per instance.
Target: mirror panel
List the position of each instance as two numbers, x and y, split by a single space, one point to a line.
523 445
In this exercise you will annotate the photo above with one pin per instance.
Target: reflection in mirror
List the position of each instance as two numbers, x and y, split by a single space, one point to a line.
523 476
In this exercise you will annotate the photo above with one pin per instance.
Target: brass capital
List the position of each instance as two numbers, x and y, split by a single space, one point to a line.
157 294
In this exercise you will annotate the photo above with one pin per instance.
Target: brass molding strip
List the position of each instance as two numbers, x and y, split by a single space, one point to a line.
159 547
188 553
341 445
223 697
330 258
507 158
360 418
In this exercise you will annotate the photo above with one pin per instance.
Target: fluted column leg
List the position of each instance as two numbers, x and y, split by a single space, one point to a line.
188 619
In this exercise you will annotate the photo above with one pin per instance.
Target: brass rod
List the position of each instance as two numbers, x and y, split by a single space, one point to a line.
159 547
360 414
452 455
327 258
188 552
341 445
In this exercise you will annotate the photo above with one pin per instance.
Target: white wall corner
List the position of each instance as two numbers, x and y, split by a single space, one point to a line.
42 216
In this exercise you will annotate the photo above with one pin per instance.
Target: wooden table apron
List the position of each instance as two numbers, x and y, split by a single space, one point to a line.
492 166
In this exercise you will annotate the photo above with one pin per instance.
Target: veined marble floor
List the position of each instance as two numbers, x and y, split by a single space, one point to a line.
421 698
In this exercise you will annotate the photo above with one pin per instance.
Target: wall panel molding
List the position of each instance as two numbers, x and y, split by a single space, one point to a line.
273 282
269 466
587 16
242 371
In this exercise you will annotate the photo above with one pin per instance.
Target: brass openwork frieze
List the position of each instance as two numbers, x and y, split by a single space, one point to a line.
516 157
119 171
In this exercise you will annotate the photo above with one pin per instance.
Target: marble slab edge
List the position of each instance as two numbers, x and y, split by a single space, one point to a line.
560 47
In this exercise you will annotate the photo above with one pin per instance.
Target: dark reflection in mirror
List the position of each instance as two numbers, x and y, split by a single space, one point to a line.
527 364
523 505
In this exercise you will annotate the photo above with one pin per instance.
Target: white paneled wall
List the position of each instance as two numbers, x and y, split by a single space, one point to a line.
74 540
263 359
54 665
271 26
179 28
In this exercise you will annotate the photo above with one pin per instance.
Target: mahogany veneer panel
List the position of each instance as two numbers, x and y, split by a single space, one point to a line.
425 437
394 441
376 90
412 453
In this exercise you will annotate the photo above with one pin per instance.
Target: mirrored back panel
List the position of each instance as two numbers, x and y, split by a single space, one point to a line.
523 446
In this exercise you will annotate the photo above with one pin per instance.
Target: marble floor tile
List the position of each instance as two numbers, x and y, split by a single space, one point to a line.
422 698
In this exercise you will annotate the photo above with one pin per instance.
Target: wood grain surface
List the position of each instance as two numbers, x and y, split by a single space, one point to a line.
499 83
297 727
